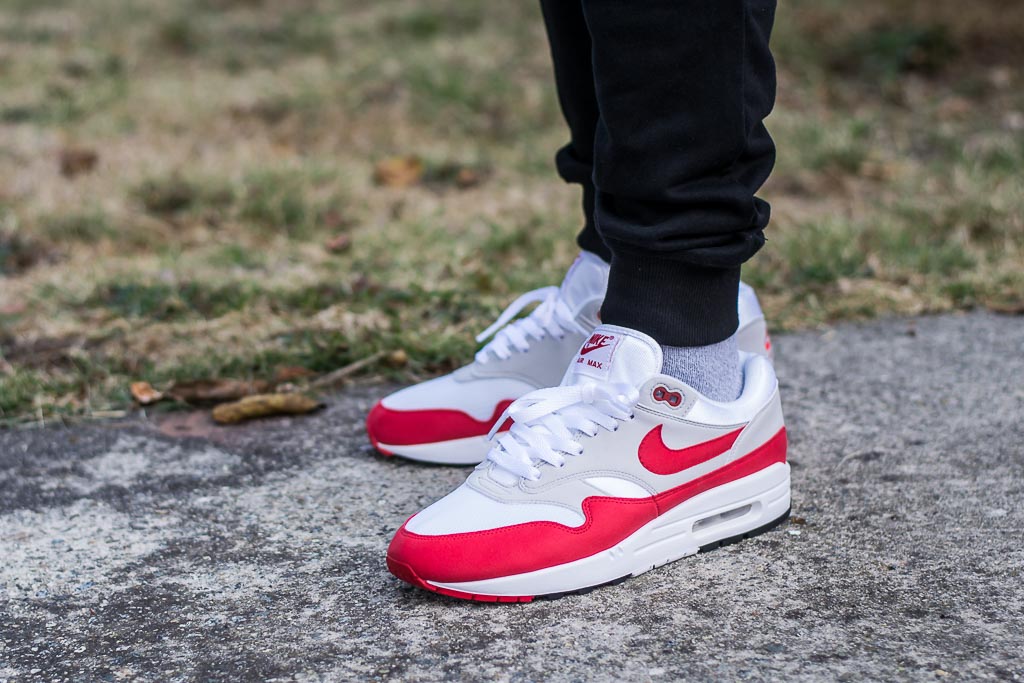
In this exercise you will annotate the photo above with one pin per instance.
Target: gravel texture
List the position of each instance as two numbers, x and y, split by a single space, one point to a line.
172 549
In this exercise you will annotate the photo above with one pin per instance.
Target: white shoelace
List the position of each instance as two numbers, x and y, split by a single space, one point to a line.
552 318
546 423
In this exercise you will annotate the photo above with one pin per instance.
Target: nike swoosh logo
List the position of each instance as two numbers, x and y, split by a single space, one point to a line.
658 458
587 349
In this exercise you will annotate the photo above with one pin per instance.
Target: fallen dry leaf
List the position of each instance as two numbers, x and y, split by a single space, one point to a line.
453 173
263 405
215 390
76 160
13 308
397 358
468 177
954 107
290 373
145 394
398 171
334 220
364 283
338 244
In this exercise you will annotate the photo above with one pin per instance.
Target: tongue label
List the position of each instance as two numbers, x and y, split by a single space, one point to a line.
595 356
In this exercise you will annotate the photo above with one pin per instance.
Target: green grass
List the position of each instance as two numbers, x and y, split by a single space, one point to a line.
887 51
236 139
174 194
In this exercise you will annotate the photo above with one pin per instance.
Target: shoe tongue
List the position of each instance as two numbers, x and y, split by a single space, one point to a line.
617 355
586 280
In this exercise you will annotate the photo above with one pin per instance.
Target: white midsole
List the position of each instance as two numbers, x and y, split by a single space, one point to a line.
728 510
469 451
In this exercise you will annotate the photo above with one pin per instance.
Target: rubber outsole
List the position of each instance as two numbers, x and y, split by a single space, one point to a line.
406 573
376 446
476 453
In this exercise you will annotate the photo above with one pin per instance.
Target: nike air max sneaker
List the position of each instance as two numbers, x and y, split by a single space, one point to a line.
446 420
617 471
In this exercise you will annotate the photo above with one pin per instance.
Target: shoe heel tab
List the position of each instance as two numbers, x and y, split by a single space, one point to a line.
758 371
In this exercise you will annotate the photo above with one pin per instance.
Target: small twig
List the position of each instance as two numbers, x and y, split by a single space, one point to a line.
107 414
337 376
876 452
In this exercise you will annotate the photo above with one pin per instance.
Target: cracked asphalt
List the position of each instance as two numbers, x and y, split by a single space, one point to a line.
172 549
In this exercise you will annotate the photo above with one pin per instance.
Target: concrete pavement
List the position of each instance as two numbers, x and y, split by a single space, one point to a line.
172 549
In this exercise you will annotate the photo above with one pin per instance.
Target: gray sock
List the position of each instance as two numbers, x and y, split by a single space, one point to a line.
712 370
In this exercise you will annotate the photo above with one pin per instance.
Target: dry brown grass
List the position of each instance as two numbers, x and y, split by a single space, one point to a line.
234 138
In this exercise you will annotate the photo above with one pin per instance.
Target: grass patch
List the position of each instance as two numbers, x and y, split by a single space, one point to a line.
175 194
295 33
18 391
428 23
284 201
266 201
89 226
822 252
471 102
161 301
233 225
238 256
887 51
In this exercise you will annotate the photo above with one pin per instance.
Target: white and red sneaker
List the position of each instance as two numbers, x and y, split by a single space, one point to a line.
446 420
617 471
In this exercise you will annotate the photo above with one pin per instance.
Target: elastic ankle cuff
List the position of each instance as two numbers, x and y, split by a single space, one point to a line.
675 303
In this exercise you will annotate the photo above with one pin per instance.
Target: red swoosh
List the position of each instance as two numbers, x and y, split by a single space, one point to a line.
587 349
658 458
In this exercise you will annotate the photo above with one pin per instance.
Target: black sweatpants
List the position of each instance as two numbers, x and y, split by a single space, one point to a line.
665 101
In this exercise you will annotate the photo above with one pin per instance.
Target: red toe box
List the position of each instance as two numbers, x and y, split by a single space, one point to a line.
407 427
